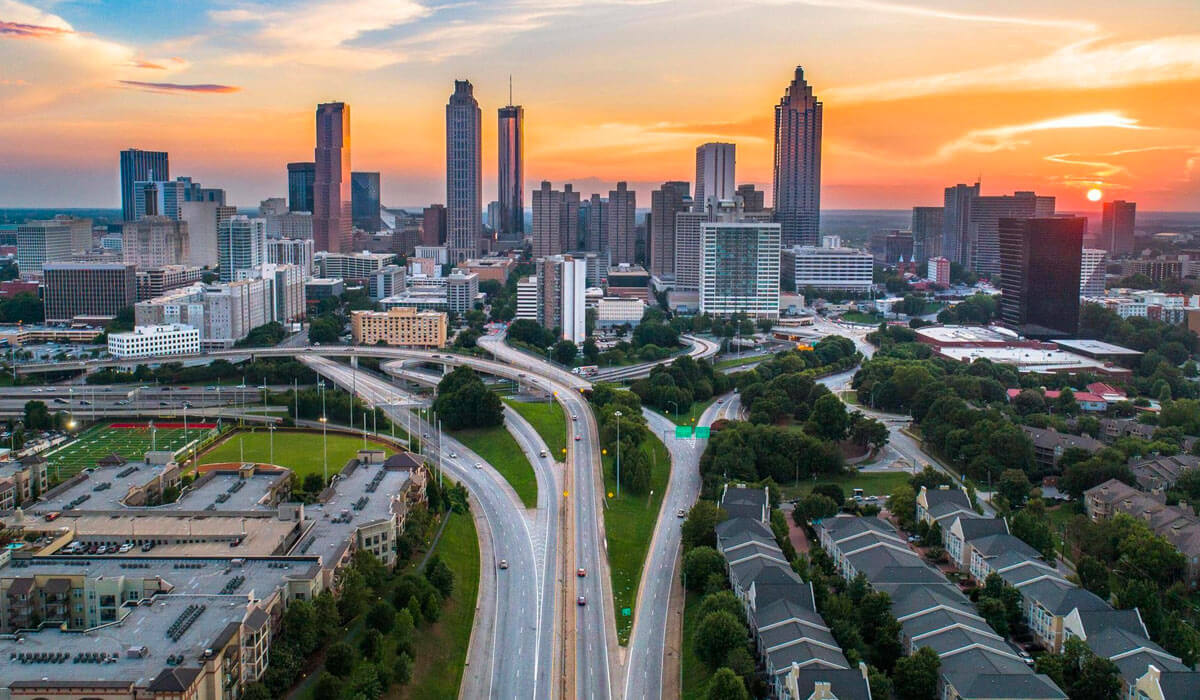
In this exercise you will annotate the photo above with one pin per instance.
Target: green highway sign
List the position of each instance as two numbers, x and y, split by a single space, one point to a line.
683 431
626 612
702 432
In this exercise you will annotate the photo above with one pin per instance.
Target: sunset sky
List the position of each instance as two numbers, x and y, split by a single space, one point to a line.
1054 96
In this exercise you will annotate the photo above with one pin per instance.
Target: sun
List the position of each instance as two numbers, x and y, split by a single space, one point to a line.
1094 195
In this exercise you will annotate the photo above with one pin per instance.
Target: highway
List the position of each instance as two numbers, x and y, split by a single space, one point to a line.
700 349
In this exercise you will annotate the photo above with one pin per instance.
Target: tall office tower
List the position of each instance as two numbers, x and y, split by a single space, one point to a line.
1116 227
596 239
331 184
241 245
984 223
140 166
798 163
203 220
155 198
665 203
155 241
1091 272
364 201
687 248
956 217
41 242
739 269
301 177
291 251
1039 275
752 200
81 232
492 220
464 173
547 219
433 225
621 230
561 292
195 192
511 172
927 232
714 172
87 289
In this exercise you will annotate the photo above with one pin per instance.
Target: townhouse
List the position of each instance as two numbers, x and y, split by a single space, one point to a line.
1176 524
942 504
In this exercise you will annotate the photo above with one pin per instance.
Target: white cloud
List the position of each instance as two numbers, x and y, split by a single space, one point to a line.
1007 138
935 13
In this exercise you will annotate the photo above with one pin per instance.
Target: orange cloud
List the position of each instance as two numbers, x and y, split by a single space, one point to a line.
20 30
179 88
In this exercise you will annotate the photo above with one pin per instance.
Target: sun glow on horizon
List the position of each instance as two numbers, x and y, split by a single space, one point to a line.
1094 195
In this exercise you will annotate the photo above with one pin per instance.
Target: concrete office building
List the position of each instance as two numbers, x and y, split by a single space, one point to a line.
225 313
596 222
829 269
399 327
927 223
798 163
204 219
351 266
81 232
433 225
1117 225
527 299
155 241
331 184
555 220
687 249
619 311
621 231
140 166
364 201
938 270
1039 278
156 281
1091 272
561 292
272 206
739 269
461 290
42 242
241 245
75 290
154 341
984 224
290 225
464 172
753 200
510 166
385 282
715 172
195 192
665 203
630 281
301 177
491 268
291 251
956 218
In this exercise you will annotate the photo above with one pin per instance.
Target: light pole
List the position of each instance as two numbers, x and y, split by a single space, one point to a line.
676 405
325 446
271 433
617 415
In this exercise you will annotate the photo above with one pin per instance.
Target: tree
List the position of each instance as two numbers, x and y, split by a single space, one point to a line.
698 563
833 491
339 659
726 685
1014 486
440 575
402 671
37 417
903 504
1093 575
992 610
721 600
829 419
916 676
313 483
372 644
382 616
700 526
868 432
716 635
329 687
815 506
1034 531
463 401
564 352
256 691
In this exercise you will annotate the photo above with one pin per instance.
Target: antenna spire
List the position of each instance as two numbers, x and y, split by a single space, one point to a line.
510 89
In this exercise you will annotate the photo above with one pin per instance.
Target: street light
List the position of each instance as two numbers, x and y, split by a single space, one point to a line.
617 414
271 433
325 444
676 405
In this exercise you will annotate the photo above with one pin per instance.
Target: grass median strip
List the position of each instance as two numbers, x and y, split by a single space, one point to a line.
547 419
499 449
629 526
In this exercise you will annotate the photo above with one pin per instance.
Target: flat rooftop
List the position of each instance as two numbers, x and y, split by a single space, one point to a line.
1031 359
1095 348
104 486
252 495
964 335
197 535
327 537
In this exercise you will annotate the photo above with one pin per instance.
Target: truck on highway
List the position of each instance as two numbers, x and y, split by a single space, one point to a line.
585 370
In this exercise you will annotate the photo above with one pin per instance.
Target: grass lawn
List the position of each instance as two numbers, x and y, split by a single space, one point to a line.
501 451
442 650
872 483
695 673
688 417
860 317
132 443
743 360
548 420
303 453
629 524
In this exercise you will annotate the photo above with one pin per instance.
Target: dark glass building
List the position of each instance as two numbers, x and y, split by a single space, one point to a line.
331 186
300 186
1039 275
510 136
140 166
464 173
798 163
364 201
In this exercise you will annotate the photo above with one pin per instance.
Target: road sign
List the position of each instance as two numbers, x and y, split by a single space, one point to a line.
626 612
683 431
702 432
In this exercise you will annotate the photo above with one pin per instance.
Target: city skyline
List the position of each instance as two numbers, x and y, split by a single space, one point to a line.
1053 100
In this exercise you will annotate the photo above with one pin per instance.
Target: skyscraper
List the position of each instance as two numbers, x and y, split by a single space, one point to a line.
739 268
714 172
510 166
555 220
331 184
155 241
364 201
41 242
984 222
1116 227
753 200
241 245
798 163
138 165
159 198
665 203
433 225
464 173
927 232
621 231
561 287
1091 272
300 186
597 225
956 214
1040 260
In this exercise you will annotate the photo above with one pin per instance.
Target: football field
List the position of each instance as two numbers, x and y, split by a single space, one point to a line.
129 440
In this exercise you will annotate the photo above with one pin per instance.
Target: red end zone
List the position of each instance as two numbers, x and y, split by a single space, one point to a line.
164 426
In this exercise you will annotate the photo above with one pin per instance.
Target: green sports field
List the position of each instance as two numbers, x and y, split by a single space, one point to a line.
131 440
303 453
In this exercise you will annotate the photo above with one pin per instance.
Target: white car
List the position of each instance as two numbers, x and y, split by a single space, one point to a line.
478 465
125 548
453 455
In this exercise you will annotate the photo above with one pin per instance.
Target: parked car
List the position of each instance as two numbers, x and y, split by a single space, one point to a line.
503 564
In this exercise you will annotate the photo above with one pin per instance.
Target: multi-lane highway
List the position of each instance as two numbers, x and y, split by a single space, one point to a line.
699 349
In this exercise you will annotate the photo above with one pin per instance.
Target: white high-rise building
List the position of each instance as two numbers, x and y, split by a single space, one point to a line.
527 299
1091 272
40 242
291 251
739 269
241 245
715 173
561 292
829 268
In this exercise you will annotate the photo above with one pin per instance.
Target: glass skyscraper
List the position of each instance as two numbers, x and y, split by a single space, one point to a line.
510 136
798 163
464 173
331 187
140 166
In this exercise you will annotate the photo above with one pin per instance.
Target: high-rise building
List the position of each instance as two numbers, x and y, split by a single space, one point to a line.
562 286
927 232
155 198
687 248
272 206
753 200
400 327
332 214
984 222
555 220
461 290
739 269
287 289
87 289
527 299
301 177
155 241
714 172
203 220
194 192
938 270
433 225
351 266
241 245
1039 275
829 268
464 172
1116 227
140 166
364 201
665 202
798 163
292 224
510 164
291 251
385 282
81 232
956 217
1091 272
41 242
621 231
596 221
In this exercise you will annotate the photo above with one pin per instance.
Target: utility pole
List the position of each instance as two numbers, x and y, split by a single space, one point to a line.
617 415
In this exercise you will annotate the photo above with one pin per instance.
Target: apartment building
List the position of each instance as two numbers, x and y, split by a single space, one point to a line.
399 327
